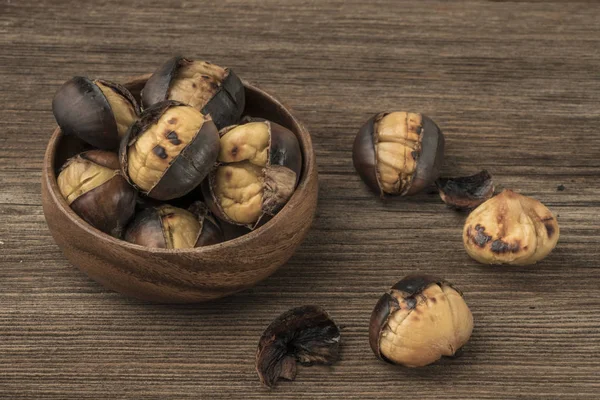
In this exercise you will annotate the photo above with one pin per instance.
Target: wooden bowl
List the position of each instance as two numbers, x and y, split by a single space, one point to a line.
183 275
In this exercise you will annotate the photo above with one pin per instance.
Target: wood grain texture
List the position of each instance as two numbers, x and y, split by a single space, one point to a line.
515 87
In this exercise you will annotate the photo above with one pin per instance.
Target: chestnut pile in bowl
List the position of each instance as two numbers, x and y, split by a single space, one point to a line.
180 186
167 148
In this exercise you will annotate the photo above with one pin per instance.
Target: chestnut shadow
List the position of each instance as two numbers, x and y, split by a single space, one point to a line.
442 371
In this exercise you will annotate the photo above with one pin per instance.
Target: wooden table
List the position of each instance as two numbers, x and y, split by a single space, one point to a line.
515 87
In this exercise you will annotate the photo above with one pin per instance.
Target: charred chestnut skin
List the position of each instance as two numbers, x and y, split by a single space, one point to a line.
190 166
305 334
284 151
429 157
409 291
109 206
466 193
225 107
81 109
148 229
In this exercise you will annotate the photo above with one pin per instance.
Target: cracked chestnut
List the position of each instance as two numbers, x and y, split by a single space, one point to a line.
97 111
94 188
398 153
419 320
259 167
207 87
170 227
169 150
510 229
303 334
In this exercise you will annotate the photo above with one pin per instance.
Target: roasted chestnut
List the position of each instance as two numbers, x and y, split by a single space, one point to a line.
398 153
99 112
169 150
94 188
510 229
170 227
466 192
419 320
207 87
303 334
259 168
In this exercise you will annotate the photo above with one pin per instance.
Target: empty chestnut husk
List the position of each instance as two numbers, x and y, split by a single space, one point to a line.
466 192
303 334
207 87
97 111
510 229
259 167
170 227
94 188
398 153
169 150
419 320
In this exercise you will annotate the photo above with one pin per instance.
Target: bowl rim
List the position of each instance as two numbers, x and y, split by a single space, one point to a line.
308 170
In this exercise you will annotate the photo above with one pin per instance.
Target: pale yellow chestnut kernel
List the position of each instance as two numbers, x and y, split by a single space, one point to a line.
239 190
122 109
510 229
196 83
438 325
397 138
246 142
180 227
81 176
157 147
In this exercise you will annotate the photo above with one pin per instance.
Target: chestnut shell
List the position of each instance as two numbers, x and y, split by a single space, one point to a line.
305 334
81 109
429 161
466 192
225 107
189 168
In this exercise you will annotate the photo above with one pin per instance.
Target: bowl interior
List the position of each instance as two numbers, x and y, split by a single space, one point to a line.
258 104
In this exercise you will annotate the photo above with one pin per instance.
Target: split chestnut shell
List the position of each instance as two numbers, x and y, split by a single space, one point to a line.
94 188
419 320
398 153
170 227
259 167
304 334
169 150
207 87
99 112
466 192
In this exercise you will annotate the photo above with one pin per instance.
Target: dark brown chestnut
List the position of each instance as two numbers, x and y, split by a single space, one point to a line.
170 227
304 334
169 150
419 320
207 87
398 153
467 192
259 167
94 188
97 111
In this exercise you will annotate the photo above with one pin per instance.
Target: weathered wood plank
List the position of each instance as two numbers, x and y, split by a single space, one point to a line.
515 87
